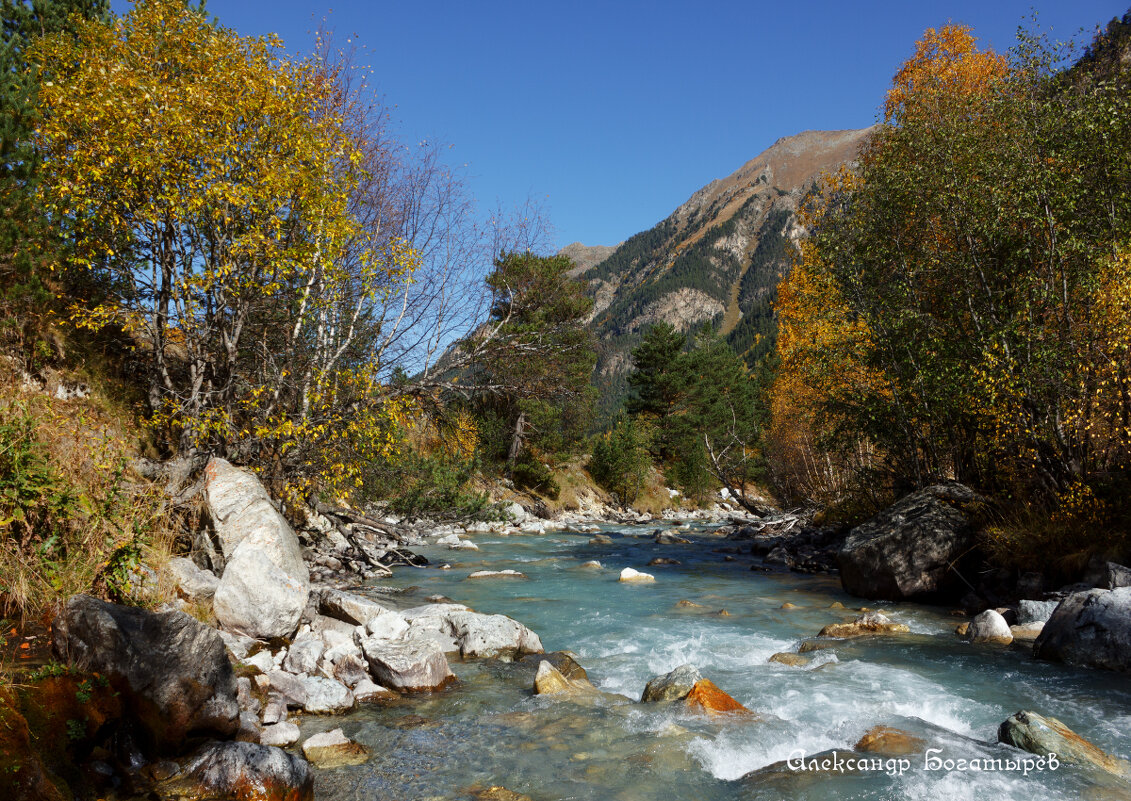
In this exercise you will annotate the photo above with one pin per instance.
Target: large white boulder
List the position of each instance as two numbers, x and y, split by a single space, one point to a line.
257 598
266 584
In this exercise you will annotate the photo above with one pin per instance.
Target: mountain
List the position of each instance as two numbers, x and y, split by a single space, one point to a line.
586 257
717 259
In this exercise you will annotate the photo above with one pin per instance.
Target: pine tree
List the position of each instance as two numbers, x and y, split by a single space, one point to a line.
657 380
535 357
29 248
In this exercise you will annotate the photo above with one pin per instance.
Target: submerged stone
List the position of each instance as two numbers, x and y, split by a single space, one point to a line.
631 574
550 681
332 749
868 623
887 741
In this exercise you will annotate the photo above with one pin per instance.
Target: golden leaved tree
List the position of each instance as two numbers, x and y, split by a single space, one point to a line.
210 181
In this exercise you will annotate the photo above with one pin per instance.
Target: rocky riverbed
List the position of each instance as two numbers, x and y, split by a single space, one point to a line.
582 658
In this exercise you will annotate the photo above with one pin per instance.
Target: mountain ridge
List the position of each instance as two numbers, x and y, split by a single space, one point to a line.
715 260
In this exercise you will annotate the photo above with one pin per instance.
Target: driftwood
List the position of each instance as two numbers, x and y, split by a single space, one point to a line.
357 519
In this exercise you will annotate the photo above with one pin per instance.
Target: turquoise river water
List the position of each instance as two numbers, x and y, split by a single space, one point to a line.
490 729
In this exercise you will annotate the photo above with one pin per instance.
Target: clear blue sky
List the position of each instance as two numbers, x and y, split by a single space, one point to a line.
612 113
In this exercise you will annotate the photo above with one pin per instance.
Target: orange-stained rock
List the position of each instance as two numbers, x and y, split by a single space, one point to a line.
890 742
709 698
22 775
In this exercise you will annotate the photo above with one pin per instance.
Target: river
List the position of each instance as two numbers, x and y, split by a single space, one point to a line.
490 730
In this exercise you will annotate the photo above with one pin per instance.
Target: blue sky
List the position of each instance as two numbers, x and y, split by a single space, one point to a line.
613 113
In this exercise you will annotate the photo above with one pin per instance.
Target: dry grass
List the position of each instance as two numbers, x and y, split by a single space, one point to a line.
71 517
1055 544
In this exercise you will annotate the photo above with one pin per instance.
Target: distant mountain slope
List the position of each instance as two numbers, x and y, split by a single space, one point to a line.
718 258
585 257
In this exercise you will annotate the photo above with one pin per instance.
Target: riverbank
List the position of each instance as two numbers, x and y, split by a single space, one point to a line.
716 600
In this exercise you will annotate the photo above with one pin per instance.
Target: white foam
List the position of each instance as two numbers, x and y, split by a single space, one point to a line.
736 752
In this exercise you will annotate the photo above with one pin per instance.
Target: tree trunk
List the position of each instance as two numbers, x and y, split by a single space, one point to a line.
516 442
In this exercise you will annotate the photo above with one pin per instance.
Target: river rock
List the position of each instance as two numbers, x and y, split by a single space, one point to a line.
670 537
631 574
497 574
265 585
238 645
593 565
1027 634
332 749
304 654
706 697
791 659
193 584
907 550
886 741
433 622
564 662
172 669
1043 735
379 621
455 627
867 623
601 539
256 597
672 686
350 668
989 627
261 661
349 608
280 734
315 694
1035 611
416 665
275 711
550 681
248 731
492 635
1106 575
1090 628
366 692
513 512
244 771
